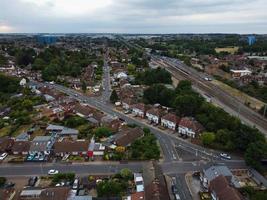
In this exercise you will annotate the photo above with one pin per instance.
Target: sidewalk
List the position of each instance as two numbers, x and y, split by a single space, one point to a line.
192 186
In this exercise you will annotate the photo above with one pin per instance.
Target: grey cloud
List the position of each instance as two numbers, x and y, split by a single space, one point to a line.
137 16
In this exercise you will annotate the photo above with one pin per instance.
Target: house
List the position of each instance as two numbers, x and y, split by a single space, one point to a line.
42 145
83 111
221 190
24 136
21 147
239 73
78 147
127 103
188 126
137 196
154 115
170 121
6 144
214 171
128 135
62 131
113 123
95 149
139 110
7 193
58 193
121 75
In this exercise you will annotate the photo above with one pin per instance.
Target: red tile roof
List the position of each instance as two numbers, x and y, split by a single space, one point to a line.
223 191
138 196
171 117
192 124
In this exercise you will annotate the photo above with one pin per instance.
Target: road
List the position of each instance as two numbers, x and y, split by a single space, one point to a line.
38 169
229 103
106 81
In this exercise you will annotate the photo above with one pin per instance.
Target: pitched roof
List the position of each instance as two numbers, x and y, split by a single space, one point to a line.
223 191
84 110
127 136
6 143
70 146
171 117
155 111
21 146
192 124
214 171
140 106
138 196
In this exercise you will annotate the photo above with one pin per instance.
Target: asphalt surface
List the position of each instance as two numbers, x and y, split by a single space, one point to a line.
229 103
180 183
30 169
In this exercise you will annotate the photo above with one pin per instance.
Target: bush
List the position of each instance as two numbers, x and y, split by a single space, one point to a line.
2 181
63 176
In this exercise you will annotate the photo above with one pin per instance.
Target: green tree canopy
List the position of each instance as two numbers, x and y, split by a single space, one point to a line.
114 96
207 138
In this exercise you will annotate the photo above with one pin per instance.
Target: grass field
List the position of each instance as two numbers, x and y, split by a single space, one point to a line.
230 50
254 103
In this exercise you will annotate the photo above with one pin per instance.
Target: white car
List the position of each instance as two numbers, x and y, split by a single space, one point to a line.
53 172
225 156
3 156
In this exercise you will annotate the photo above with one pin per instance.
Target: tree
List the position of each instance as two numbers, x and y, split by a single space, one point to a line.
38 64
3 60
114 97
109 188
2 181
102 132
158 93
126 174
84 87
255 153
154 76
207 138
187 105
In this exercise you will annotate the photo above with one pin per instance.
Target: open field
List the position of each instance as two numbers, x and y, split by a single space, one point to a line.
230 50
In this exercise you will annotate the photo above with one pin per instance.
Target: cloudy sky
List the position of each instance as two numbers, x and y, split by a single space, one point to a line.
133 16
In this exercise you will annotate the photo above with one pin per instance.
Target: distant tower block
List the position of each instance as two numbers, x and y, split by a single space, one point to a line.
251 40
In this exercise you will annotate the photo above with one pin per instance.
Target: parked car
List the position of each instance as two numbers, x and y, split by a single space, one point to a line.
3 156
177 197
53 172
65 157
32 181
75 184
225 156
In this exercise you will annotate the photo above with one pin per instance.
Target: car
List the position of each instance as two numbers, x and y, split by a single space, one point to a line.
177 197
207 79
53 172
32 181
75 184
225 156
3 156
174 189
65 157
75 95
127 112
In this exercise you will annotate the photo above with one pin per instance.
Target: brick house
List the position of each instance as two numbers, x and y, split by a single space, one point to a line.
170 121
188 126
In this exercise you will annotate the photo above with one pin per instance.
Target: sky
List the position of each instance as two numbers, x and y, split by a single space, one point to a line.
133 16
